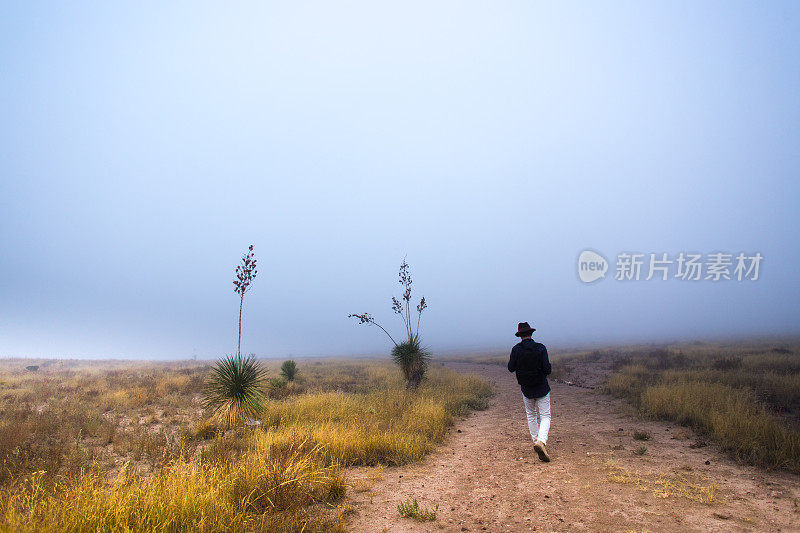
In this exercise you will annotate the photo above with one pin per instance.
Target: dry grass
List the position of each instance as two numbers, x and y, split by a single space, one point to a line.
664 485
387 425
127 447
263 492
745 398
731 417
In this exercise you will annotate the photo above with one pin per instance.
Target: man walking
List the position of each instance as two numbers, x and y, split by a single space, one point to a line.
529 360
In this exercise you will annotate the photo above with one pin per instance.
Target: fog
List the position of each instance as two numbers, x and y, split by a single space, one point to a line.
144 147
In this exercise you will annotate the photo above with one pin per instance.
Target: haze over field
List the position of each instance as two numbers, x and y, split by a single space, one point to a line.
144 147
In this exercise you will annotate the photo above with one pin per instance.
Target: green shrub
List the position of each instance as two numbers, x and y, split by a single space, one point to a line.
412 360
411 509
289 370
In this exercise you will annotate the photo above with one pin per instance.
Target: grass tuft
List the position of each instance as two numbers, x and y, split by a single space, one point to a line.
411 509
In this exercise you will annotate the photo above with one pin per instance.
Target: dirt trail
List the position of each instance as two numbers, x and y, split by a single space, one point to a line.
486 476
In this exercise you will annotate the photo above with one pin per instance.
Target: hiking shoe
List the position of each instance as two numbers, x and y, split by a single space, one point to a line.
542 451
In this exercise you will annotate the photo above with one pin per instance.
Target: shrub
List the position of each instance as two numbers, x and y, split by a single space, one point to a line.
412 360
233 391
411 509
289 370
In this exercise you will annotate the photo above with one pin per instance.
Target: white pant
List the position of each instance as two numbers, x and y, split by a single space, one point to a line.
540 406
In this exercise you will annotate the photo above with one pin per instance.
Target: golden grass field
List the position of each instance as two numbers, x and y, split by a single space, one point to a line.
121 446
124 446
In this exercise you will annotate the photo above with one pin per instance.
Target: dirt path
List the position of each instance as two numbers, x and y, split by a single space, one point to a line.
486 476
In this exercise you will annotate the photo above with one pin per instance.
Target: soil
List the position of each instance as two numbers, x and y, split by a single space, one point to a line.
487 477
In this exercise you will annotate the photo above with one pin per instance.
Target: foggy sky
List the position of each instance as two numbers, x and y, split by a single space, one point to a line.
144 147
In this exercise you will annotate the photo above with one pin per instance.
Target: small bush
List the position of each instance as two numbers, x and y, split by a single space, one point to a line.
411 509
412 360
641 450
289 370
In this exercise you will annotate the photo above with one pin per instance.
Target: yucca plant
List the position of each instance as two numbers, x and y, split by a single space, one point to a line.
409 354
289 370
412 360
234 392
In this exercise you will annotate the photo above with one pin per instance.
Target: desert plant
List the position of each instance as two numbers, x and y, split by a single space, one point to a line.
245 274
289 370
412 360
411 509
408 354
234 390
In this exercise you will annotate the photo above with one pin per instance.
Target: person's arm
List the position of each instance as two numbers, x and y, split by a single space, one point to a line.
546 368
512 361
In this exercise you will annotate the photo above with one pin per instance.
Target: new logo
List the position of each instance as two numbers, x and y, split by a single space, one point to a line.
591 266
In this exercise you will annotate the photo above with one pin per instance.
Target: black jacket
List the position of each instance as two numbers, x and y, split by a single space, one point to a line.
529 360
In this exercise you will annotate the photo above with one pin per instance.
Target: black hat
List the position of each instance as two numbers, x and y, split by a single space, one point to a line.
523 328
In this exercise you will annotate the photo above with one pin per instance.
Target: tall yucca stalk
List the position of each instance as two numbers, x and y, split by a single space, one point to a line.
234 389
245 275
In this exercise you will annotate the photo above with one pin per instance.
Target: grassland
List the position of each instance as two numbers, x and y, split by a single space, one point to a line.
128 447
746 397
